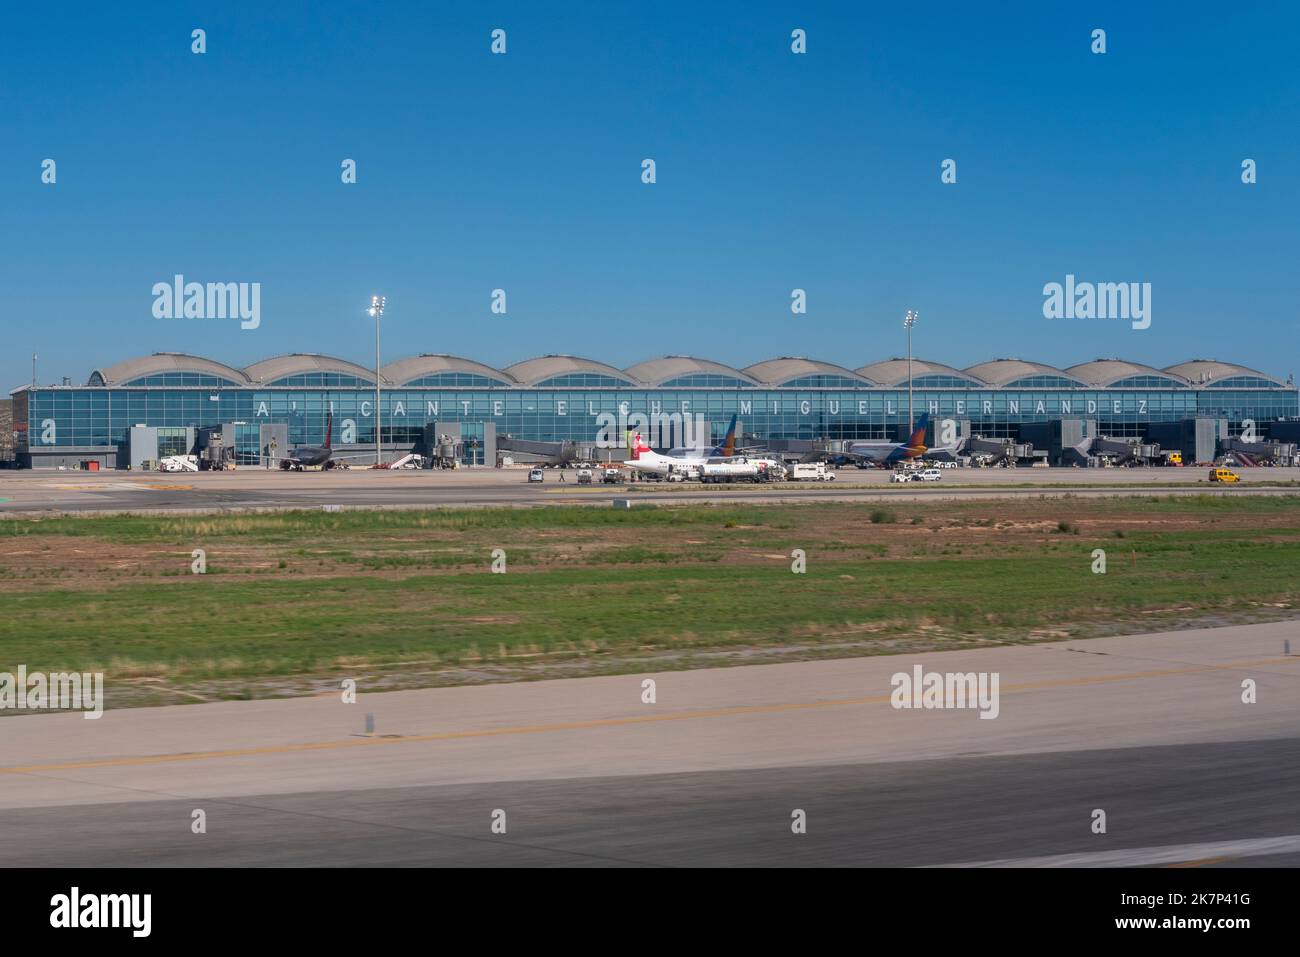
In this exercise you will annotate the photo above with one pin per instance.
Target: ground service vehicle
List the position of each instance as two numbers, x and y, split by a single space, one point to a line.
811 472
179 463
536 475
1225 476
730 470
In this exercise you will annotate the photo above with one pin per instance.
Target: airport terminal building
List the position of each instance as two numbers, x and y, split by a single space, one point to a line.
133 412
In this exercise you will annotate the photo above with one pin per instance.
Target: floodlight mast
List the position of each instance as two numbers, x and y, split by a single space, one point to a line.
376 310
908 322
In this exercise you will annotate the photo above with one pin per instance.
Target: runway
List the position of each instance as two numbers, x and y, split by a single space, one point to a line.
1151 729
898 814
45 492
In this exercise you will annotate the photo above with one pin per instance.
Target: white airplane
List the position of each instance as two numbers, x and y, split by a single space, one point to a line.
645 459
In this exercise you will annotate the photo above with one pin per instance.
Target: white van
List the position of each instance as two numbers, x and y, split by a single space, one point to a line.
927 475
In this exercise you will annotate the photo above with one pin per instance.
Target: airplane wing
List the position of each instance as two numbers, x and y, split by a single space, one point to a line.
353 455
865 456
335 456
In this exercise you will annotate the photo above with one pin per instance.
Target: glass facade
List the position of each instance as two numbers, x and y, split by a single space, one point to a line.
101 416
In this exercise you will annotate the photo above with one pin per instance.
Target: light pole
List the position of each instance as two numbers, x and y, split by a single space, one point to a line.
908 322
376 309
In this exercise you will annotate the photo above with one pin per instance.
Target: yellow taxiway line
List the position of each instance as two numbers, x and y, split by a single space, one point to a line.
142 760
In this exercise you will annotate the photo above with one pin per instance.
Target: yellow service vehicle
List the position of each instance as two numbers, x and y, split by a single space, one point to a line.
1224 475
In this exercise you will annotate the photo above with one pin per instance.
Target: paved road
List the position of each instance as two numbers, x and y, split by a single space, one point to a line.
45 492
1152 729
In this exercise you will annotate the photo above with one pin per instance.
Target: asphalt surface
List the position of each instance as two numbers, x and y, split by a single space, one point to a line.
1228 797
1150 729
35 492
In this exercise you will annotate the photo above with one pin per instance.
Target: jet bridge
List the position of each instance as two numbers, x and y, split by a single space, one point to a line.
1122 451
996 451
1258 453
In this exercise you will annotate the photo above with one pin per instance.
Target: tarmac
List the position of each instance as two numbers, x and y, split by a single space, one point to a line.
1152 730
52 492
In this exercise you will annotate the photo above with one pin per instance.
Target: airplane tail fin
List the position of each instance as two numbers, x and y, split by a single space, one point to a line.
329 431
635 446
916 442
728 446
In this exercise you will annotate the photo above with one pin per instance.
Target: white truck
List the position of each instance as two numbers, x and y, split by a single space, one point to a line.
811 472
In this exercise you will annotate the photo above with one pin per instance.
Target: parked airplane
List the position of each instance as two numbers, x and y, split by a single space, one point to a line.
866 454
645 459
725 449
306 456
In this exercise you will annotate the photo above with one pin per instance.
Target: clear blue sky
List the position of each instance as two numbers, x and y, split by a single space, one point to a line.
775 171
